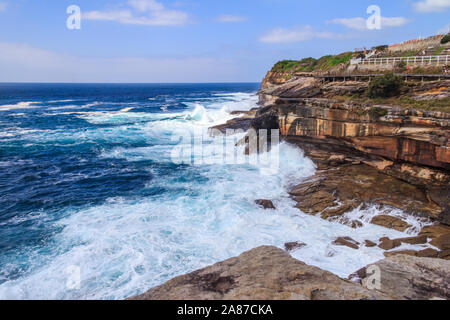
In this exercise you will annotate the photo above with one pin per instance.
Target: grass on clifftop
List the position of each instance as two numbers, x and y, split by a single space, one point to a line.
310 64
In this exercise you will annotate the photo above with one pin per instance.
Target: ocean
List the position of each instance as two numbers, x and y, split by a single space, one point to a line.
92 205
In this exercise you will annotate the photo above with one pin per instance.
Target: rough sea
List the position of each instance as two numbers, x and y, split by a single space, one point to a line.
88 189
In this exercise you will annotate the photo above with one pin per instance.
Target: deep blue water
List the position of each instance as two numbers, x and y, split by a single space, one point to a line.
48 174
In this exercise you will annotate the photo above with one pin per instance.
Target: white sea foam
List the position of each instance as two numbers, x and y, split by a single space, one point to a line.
63 100
19 105
239 101
70 106
87 106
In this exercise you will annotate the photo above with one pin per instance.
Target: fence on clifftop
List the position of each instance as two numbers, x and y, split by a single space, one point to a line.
422 60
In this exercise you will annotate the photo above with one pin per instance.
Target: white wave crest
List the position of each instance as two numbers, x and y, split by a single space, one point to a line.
19 105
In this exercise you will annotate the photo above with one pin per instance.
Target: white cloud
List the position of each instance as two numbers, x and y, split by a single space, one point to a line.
231 18
352 23
361 23
146 5
280 35
391 22
141 12
25 63
432 5
3 6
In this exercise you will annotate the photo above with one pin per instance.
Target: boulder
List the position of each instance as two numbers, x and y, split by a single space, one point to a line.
428 253
422 239
351 223
388 244
370 244
266 204
405 252
442 242
264 273
434 231
346 241
390 222
406 277
291 246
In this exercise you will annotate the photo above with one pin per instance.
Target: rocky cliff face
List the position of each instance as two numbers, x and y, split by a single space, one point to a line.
386 132
410 145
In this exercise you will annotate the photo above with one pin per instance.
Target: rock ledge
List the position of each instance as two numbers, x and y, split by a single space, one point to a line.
264 273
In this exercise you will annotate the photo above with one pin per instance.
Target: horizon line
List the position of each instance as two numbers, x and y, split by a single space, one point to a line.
35 82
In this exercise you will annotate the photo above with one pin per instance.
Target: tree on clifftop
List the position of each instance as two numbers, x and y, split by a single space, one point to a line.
445 39
385 86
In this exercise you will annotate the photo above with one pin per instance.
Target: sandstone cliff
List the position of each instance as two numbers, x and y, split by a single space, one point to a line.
412 146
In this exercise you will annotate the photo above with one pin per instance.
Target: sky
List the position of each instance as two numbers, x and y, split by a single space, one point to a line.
177 41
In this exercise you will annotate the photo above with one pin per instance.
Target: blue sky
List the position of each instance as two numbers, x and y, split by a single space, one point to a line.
193 40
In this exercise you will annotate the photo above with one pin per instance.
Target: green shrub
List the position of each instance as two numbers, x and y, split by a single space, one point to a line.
328 62
306 65
381 48
310 64
285 66
445 39
377 112
385 86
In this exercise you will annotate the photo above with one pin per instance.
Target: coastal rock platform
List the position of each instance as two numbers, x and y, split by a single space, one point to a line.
269 273
264 273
